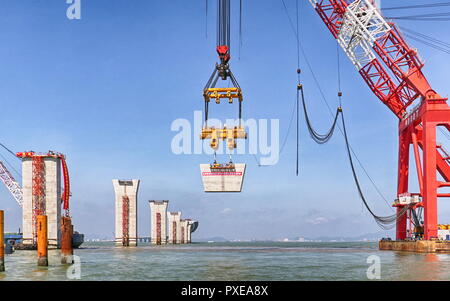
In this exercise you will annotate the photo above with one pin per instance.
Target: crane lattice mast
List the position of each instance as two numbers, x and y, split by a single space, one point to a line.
393 71
10 183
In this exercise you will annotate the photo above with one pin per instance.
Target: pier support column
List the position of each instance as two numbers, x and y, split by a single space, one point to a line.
126 192
52 201
158 213
42 240
188 232
174 227
184 228
66 241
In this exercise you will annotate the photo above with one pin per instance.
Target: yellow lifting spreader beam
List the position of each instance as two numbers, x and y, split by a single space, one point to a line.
230 135
219 93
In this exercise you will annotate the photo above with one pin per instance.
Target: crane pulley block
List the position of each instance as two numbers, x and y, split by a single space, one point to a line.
218 93
224 54
229 134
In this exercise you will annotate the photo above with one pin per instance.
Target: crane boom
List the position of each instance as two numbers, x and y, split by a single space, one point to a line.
393 71
11 184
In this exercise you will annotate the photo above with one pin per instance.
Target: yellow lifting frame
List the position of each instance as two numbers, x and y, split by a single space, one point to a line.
219 93
221 134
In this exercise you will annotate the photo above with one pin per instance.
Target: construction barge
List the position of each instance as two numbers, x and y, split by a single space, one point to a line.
15 241
418 246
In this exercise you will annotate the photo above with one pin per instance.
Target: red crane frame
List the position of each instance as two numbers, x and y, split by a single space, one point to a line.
394 74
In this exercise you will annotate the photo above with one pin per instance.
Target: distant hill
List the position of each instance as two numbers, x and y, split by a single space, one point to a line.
365 237
369 237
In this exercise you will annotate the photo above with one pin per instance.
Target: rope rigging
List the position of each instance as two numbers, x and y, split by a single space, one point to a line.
297 162
316 136
427 40
213 91
241 5
295 109
416 217
440 16
423 17
385 222
223 26
325 101
8 150
7 161
417 6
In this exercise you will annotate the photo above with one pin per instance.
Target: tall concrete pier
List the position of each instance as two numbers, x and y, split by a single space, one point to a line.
184 229
126 212
190 224
158 213
52 204
174 227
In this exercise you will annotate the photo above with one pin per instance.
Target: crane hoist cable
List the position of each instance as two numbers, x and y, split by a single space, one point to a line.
427 40
284 143
7 161
206 19
8 150
10 165
426 37
325 101
295 109
316 136
423 17
299 72
385 222
416 217
431 5
241 5
212 92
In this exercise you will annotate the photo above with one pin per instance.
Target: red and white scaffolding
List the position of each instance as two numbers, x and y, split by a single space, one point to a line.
38 184
125 221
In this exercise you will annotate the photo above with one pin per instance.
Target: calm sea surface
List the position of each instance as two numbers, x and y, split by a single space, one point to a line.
232 261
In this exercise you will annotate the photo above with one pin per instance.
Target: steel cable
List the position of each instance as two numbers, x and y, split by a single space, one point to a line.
385 222
417 6
316 136
325 101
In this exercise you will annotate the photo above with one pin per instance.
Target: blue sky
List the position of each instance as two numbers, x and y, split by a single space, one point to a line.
105 89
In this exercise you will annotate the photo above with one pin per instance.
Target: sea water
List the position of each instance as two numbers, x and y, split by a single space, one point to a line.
232 261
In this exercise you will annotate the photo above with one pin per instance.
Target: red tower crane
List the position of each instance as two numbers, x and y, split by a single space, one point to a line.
393 71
